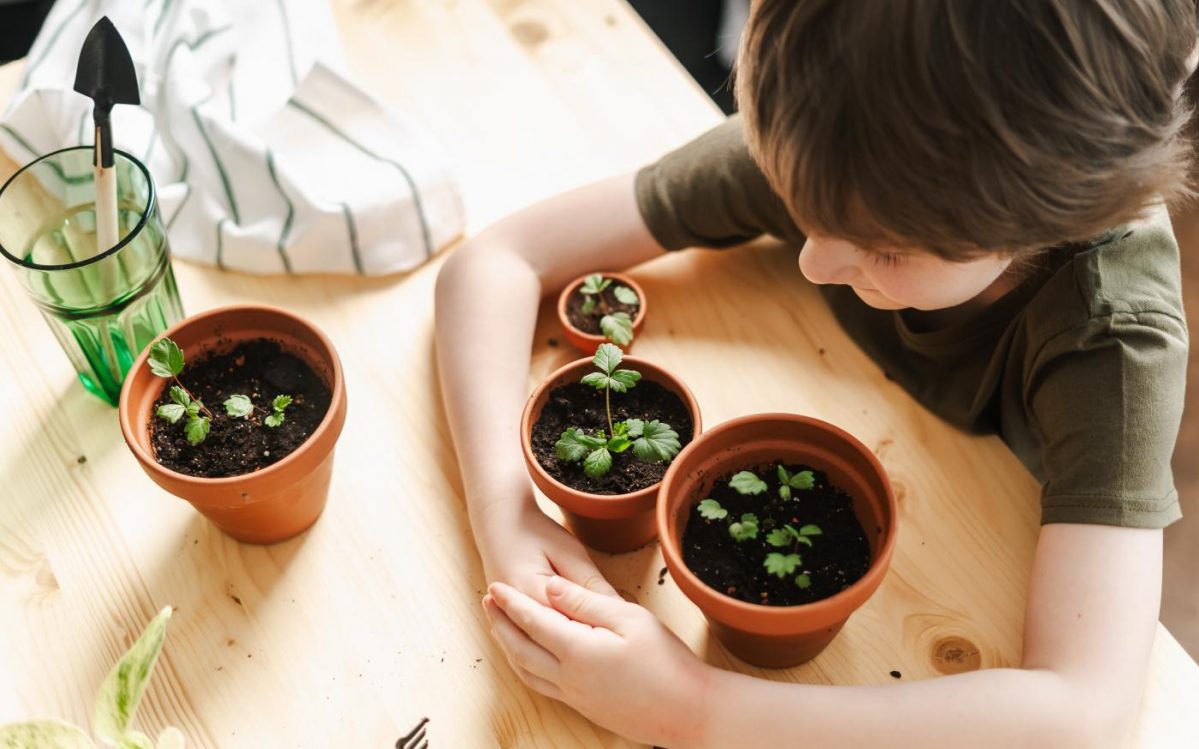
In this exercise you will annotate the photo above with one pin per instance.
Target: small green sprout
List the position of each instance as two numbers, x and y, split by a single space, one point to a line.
275 419
781 565
616 326
746 482
788 536
711 509
625 295
593 286
746 529
166 361
651 441
800 480
239 406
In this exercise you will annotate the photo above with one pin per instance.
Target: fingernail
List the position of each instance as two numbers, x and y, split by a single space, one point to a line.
556 586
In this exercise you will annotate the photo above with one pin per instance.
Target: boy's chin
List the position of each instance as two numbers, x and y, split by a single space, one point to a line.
877 300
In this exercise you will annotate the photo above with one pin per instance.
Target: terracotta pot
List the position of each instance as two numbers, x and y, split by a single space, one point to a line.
777 636
614 523
281 500
589 342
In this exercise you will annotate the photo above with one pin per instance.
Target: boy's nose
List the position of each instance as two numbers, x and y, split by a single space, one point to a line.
828 261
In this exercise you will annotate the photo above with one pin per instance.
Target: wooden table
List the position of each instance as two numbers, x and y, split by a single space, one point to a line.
348 635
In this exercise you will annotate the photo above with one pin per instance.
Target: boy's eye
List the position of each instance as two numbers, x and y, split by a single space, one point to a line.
886 259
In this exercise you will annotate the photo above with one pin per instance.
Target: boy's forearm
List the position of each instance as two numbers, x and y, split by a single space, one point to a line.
993 708
1080 682
486 315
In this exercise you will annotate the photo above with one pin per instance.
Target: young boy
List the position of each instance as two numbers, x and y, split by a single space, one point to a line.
979 186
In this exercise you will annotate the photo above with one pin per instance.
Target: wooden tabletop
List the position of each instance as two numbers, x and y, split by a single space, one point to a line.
351 633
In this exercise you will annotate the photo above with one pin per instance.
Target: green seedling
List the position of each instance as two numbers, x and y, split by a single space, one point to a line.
276 417
240 407
651 441
616 326
114 709
788 537
744 529
166 361
747 482
799 480
781 565
711 509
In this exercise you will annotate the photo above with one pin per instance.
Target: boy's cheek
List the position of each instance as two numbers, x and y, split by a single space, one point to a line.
878 300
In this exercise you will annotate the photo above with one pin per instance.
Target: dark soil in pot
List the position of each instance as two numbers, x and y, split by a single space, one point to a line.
836 558
608 305
261 370
581 406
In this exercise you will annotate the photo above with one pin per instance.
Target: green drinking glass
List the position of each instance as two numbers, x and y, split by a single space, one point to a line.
104 304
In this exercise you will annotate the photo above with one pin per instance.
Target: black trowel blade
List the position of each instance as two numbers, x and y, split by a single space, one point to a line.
106 72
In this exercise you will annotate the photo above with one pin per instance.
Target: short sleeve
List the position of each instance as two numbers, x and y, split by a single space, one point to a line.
711 193
1106 399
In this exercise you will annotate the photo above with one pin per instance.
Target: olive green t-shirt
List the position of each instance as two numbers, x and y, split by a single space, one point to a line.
1081 369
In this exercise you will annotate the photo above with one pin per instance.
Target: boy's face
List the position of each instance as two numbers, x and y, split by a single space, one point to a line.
899 278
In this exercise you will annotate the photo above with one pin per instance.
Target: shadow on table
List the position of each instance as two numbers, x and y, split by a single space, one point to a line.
73 433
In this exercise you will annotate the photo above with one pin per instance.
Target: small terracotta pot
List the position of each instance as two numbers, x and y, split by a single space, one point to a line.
614 523
281 500
777 636
589 342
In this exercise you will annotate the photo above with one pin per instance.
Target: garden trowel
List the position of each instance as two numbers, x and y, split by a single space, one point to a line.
106 75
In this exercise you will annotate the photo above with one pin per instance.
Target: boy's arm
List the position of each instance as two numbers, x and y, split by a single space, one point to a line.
1091 619
486 309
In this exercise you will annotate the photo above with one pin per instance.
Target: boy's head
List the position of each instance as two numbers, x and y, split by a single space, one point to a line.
965 131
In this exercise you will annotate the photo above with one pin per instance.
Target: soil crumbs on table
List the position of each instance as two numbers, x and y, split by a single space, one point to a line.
260 370
591 323
836 559
582 406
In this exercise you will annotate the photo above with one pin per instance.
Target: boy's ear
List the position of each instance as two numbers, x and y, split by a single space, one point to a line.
1193 59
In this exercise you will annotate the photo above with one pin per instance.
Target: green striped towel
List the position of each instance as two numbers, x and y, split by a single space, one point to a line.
267 158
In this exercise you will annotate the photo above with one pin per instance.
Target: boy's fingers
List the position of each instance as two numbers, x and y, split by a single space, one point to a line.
584 573
542 624
585 606
539 685
524 654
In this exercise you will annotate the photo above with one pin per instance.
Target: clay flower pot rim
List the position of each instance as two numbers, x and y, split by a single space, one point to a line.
573 286
526 423
147 457
878 563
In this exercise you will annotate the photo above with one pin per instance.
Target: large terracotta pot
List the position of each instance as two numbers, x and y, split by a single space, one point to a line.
589 342
614 523
276 502
777 636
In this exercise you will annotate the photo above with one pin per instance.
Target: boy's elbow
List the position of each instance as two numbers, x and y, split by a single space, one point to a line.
1088 717
450 275
479 265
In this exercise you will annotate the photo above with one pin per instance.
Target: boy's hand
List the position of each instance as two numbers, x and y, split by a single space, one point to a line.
611 660
524 548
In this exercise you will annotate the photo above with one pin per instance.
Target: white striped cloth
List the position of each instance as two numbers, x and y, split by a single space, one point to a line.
267 159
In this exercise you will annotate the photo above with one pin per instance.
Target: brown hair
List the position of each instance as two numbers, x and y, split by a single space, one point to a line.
968 125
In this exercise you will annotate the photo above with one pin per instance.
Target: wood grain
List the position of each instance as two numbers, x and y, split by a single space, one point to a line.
350 634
